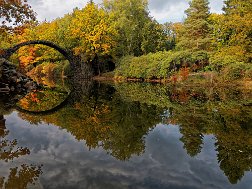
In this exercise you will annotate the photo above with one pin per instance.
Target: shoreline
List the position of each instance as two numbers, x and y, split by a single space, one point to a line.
189 82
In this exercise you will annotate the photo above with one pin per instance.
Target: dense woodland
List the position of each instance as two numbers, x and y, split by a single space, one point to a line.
124 32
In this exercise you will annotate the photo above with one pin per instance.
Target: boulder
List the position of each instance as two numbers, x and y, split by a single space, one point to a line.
12 81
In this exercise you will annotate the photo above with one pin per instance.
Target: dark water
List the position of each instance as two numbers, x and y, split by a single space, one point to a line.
128 136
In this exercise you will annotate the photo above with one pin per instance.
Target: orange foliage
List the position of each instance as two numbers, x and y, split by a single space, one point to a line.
28 56
184 73
34 97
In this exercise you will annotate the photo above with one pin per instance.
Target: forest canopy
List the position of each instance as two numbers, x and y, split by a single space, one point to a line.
125 32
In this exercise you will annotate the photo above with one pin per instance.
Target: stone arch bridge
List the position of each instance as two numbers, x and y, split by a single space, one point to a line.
6 53
80 72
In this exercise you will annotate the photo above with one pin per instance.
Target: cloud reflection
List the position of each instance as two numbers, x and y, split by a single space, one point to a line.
69 164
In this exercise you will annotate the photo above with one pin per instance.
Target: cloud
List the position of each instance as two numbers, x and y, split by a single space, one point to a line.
216 6
161 10
162 5
49 10
173 10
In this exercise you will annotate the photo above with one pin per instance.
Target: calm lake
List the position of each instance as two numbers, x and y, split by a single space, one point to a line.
127 135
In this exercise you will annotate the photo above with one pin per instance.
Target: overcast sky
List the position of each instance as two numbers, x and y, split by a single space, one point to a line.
161 10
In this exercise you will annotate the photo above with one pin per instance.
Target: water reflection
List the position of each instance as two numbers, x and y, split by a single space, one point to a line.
222 112
124 121
42 101
19 177
103 119
8 148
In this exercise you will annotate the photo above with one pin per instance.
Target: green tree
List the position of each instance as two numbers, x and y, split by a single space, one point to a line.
154 38
138 32
129 17
170 35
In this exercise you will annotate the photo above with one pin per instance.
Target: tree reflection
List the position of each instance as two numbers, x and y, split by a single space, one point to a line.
225 116
118 120
19 177
102 118
222 112
8 148
234 146
192 139
42 100
131 122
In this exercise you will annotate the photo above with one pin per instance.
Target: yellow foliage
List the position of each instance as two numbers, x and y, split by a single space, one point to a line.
92 27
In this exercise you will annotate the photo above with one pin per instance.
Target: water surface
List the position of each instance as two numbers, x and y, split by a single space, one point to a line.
128 136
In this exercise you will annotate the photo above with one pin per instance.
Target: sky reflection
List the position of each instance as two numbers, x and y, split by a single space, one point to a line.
68 163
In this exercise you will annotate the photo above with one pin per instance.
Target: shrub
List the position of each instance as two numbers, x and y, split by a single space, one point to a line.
148 66
248 72
237 71
226 56
160 65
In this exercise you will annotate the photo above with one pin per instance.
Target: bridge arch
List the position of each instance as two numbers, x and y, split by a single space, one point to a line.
67 54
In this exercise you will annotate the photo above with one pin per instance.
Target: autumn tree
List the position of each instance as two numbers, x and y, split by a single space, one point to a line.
92 32
237 7
15 12
16 16
36 54
232 34
87 32
237 27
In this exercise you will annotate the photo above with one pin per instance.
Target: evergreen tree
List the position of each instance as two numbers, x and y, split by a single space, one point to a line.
196 34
